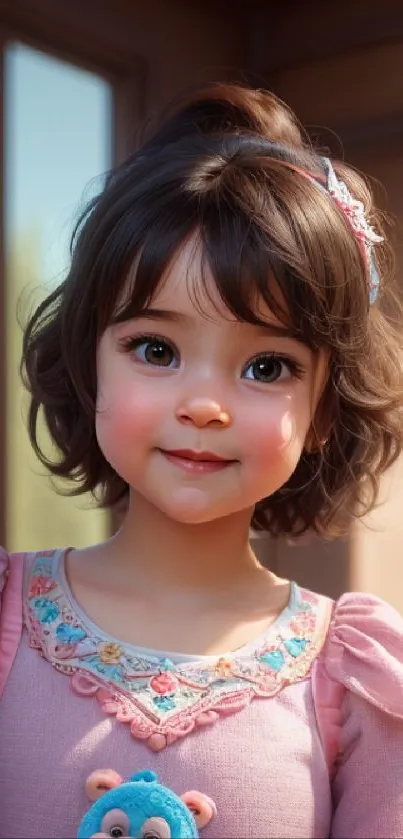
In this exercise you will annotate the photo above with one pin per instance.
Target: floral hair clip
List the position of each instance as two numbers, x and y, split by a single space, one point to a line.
355 214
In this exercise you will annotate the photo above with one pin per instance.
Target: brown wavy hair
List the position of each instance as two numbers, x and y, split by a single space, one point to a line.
224 161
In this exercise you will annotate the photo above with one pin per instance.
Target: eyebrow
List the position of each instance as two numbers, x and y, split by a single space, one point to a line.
151 314
170 316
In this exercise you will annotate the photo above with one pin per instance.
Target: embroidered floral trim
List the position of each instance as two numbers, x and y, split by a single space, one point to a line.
159 699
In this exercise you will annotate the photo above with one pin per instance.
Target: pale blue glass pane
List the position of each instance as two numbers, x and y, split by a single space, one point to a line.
57 149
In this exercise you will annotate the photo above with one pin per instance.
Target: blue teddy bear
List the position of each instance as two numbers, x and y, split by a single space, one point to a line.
141 807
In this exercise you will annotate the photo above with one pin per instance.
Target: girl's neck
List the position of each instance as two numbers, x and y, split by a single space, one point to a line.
189 588
152 549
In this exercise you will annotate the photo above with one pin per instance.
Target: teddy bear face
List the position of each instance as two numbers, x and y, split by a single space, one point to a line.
142 808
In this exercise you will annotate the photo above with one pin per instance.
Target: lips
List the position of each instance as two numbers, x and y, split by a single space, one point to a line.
196 463
188 454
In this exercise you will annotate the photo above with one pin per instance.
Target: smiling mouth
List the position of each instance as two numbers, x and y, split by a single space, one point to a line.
197 462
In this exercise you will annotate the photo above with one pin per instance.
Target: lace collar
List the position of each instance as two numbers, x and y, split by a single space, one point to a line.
163 696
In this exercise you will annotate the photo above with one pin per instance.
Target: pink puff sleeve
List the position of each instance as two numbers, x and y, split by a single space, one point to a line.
358 693
11 574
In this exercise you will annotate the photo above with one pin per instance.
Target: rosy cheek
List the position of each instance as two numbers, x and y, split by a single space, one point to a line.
127 410
287 431
131 431
273 435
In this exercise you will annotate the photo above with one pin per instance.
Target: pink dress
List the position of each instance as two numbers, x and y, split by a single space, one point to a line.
298 734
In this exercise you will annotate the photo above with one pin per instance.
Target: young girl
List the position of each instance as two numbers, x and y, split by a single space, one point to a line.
218 356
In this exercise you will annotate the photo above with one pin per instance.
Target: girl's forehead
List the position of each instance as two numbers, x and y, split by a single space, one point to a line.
188 285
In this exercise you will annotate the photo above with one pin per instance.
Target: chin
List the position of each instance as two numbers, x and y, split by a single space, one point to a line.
190 516
188 513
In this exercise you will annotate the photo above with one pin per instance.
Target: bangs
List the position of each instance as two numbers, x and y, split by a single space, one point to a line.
250 230
244 279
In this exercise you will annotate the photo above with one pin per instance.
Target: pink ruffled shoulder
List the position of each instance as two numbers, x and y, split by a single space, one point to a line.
364 651
363 654
11 578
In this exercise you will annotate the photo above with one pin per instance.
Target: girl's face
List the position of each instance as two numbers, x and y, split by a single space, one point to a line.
201 414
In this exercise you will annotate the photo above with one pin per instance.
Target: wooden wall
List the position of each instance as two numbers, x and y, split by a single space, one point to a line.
339 65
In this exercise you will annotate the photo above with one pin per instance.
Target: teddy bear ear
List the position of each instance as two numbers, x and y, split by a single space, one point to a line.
201 806
100 782
147 776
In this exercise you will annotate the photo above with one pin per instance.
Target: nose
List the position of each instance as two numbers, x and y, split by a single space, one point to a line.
201 411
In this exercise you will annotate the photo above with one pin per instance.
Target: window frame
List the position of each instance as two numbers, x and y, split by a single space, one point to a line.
64 31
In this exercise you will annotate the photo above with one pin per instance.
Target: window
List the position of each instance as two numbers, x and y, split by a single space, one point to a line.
58 129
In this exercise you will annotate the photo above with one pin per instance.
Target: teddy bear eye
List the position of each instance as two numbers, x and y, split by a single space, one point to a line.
115 824
156 828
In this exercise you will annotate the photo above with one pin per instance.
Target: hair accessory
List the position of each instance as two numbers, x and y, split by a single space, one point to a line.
355 214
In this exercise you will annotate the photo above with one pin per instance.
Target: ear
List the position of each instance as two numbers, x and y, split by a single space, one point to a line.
100 782
325 404
313 443
320 430
201 806
147 776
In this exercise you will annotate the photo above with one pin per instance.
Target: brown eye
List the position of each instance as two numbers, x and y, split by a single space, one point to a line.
154 351
269 368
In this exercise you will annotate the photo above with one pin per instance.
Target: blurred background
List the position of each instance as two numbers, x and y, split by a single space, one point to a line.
79 78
